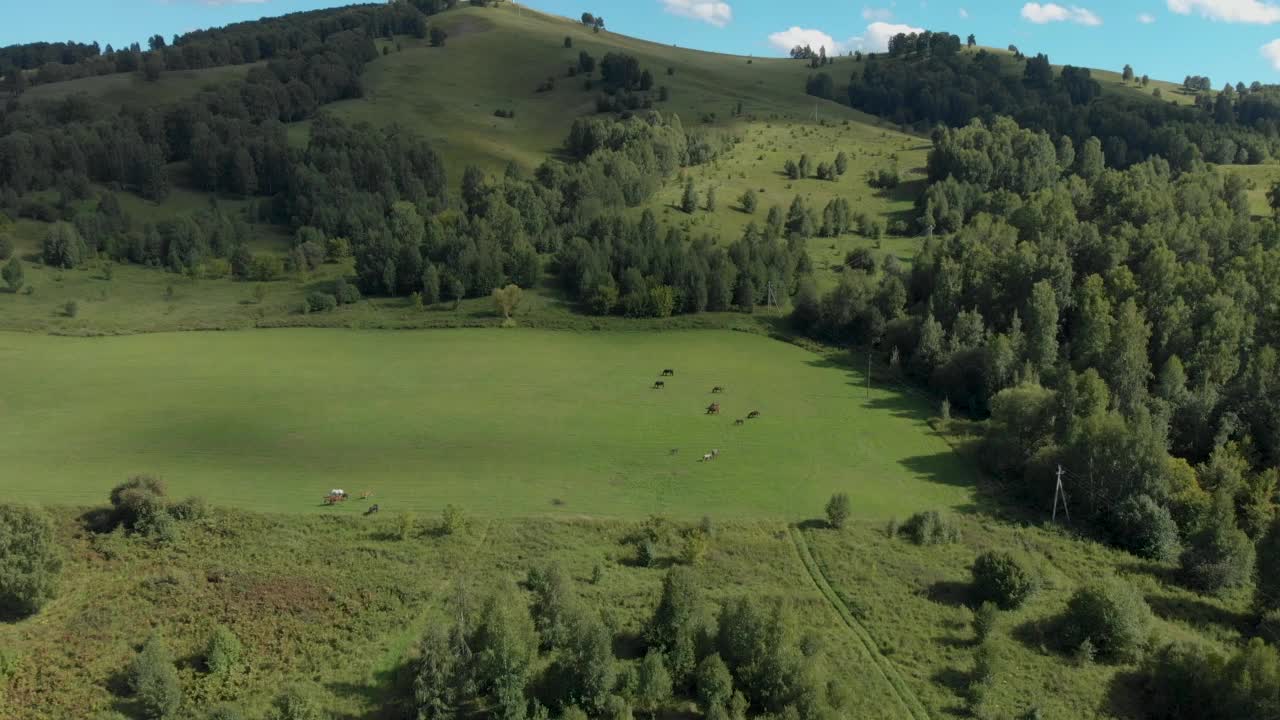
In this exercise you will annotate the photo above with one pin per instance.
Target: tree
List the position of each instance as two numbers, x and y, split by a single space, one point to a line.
29 561
1042 327
1091 160
154 680
152 66
714 683
297 703
653 683
804 166
1127 75
14 275
434 675
1112 616
588 19
63 247
998 577
838 510
1219 556
437 36
505 646
507 299
842 163
679 624
1146 529
451 520
689 200
972 41
748 201
710 202
568 42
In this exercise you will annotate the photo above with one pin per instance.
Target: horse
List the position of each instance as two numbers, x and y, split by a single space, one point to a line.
739 421
753 414
668 372
715 454
713 409
717 389
366 494
659 385
707 457
675 451
372 509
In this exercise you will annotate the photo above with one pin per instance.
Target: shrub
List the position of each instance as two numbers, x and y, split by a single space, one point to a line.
999 578
404 525
646 553
931 528
29 561
345 292
695 548
71 309
224 712
451 520
154 680
158 525
838 510
138 496
984 620
193 508
297 703
861 259
1145 529
321 302
6 246
1112 615
222 655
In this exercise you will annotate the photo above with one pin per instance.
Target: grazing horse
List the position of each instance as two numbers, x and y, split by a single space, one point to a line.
713 409
717 389
668 372
707 457
659 385
715 454
753 414
372 509
739 421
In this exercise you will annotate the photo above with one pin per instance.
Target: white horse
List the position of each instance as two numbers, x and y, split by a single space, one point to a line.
715 454
707 457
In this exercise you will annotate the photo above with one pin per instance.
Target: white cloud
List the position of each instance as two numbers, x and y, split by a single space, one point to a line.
798 36
1053 12
876 37
964 14
1271 51
1146 18
869 13
1241 11
709 11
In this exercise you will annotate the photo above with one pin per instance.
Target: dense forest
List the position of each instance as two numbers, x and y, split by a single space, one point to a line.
925 80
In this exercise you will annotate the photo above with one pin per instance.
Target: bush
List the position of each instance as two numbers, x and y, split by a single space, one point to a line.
1145 529
999 578
297 703
838 510
321 302
931 528
345 292
223 653
29 561
154 680
646 553
193 508
224 712
1112 615
984 620
451 520
1220 555
6 246
138 496
71 309
158 525
861 259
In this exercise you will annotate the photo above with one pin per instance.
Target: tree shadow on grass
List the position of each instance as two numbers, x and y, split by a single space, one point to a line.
1124 697
957 682
385 694
1197 612
950 593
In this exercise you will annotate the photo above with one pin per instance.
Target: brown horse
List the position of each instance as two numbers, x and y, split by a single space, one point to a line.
753 414
658 385
713 409
668 372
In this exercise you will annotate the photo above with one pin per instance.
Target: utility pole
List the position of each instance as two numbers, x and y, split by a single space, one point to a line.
868 372
1059 491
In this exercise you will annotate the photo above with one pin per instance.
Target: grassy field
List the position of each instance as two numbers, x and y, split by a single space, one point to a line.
339 604
514 422
914 601
132 89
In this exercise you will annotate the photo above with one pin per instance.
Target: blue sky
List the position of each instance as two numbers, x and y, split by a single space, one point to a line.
1168 39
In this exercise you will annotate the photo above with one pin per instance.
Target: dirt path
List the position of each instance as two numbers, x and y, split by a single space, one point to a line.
910 703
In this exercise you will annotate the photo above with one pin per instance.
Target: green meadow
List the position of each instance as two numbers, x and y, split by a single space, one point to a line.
500 422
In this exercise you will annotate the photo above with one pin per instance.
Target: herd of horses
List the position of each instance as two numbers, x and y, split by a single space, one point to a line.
336 496
712 409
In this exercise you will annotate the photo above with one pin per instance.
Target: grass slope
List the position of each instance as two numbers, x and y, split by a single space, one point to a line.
133 90
339 604
501 422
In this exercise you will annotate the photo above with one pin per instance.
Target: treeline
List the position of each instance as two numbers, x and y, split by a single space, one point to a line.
232 135
555 656
240 43
1120 323
924 80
